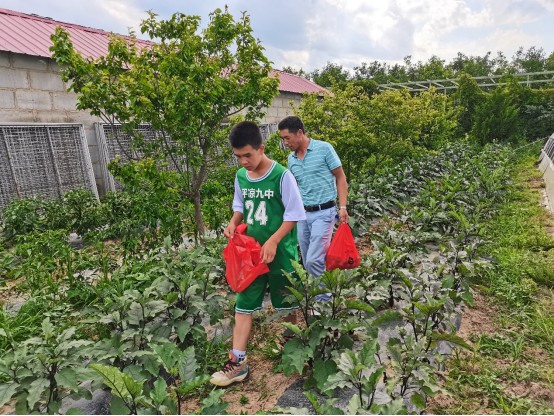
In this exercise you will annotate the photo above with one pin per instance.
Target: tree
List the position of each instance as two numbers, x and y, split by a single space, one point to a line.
329 74
340 119
300 72
549 63
433 69
467 97
475 66
186 85
376 71
532 60
497 118
371 132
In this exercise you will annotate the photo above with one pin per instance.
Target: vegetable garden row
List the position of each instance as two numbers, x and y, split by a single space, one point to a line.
129 309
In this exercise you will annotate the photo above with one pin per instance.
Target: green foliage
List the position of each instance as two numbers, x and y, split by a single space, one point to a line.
341 119
76 211
275 149
519 242
43 370
537 112
27 215
467 97
17 326
157 209
497 119
371 132
330 74
217 198
82 211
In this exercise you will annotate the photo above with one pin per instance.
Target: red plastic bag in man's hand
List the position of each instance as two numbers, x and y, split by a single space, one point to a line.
342 252
243 260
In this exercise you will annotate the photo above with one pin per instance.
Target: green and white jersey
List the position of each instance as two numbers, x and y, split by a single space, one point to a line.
265 203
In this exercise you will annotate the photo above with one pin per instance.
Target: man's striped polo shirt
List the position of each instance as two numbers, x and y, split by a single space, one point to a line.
313 173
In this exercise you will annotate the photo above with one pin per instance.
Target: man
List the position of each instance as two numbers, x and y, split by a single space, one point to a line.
268 200
320 177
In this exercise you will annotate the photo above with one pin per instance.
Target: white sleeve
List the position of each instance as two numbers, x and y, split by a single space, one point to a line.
238 200
294 208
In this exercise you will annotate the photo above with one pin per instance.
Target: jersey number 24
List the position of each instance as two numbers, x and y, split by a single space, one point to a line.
259 214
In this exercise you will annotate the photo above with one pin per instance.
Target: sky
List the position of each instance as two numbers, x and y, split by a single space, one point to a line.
309 33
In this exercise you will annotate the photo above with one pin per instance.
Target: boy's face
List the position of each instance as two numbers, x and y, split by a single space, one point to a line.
249 157
291 140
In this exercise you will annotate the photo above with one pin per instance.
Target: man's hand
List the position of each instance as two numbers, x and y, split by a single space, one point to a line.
343 216
229 231
268 251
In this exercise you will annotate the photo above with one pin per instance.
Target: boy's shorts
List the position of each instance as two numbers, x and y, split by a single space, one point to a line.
251 298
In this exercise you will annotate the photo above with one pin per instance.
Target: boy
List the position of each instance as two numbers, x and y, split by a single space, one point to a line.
268 199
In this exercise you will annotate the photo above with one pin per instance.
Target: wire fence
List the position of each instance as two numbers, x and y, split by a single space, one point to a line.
114 141
43 160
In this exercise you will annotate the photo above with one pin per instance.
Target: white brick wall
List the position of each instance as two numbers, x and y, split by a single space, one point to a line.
33 100
7 99
12 78
65 101
17 116
4 60
31 91
46 81
29 62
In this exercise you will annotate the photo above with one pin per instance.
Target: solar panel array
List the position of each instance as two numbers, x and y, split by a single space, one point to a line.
43 160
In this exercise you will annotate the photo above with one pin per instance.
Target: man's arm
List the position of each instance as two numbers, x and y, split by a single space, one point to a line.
342 191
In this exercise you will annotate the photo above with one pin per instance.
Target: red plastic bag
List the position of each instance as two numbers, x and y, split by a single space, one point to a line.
342 253
243 261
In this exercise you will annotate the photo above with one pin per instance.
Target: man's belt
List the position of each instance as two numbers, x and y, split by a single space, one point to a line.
319 207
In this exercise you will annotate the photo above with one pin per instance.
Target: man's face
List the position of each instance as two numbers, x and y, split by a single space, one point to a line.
249 157
291 140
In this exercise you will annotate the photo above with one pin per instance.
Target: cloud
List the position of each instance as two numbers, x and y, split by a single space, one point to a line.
309 33
124 13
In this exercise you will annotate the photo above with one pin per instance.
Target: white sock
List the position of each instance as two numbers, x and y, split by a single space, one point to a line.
241 355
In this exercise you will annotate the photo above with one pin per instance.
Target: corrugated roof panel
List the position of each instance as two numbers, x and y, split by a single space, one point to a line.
30 35
297 84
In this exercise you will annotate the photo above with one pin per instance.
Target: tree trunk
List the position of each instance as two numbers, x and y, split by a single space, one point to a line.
198 215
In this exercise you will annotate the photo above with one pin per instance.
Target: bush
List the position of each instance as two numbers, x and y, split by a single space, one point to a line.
30 215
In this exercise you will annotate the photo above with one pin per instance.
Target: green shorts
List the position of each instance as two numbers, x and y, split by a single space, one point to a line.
250 300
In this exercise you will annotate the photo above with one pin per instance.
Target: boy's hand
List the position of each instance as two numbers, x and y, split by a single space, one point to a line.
268 251
229 231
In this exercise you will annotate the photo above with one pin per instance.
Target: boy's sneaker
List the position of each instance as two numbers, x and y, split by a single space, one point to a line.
232 372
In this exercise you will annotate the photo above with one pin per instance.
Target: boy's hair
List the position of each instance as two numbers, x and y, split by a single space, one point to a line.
292 124
245 133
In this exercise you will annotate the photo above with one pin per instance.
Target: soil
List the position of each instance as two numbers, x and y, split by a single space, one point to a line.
364 245
259 393
264 387
479 318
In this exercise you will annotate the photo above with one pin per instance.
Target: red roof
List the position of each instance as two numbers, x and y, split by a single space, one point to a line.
29 34
295 83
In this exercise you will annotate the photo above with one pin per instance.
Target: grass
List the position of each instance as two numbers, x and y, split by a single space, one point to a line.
511 371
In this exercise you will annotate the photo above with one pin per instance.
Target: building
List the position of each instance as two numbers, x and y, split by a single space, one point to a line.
38 117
